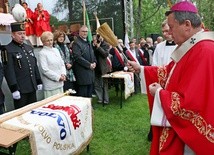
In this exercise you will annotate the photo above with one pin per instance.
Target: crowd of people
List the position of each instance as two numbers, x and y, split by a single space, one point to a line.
175 71
62 66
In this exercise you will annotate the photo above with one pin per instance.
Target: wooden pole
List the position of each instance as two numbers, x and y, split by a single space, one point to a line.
123 18
84 20
169 3
6 7
29 107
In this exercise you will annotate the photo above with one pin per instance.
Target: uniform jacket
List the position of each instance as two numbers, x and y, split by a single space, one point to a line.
20 67
83 56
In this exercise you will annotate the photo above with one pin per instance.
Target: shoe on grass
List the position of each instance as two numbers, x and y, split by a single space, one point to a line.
99 101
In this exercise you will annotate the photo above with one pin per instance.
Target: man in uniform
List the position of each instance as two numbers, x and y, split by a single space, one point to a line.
20 68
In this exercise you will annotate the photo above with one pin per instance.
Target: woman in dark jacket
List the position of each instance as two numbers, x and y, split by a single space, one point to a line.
59 38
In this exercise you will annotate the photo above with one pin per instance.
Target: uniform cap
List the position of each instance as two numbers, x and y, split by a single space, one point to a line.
17 26
183 6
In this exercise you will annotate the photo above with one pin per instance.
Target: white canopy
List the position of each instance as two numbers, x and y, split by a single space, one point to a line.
6 19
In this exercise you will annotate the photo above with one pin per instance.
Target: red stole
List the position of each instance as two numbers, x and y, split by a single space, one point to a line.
131 56
108 60
141 53
119 56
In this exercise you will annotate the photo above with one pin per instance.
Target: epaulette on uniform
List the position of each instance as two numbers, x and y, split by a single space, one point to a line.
4 56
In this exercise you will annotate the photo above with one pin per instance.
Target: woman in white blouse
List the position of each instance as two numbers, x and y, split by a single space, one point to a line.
52 67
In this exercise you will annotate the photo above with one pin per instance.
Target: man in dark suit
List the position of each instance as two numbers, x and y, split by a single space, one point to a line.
20 68
84 63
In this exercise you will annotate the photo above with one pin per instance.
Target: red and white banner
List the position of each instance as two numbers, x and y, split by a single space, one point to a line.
131 56
128 81
60 127
141 53
119 56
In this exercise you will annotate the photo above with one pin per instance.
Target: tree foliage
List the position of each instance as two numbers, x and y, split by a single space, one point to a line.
110 9
148 14
152 15
205 8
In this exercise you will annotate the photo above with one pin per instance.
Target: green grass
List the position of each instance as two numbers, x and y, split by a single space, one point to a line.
120 131
116 131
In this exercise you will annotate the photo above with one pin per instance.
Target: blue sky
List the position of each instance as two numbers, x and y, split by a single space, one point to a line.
47 5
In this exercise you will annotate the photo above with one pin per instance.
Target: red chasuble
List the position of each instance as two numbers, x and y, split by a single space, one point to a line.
29 28
42 23
187 99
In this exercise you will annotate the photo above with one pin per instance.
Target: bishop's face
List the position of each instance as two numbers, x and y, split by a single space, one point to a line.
177 30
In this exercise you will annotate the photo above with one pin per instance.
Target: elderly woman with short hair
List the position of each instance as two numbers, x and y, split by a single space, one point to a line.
52 66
